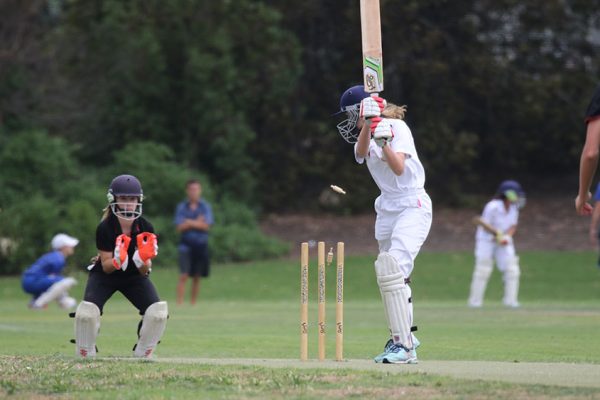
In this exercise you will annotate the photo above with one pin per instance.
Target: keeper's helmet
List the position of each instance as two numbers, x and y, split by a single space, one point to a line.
513 192
350 104
125 185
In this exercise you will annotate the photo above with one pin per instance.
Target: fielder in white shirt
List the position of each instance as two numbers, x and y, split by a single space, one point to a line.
404 212
502 213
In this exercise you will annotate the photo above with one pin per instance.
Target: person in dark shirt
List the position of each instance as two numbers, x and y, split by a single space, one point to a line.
44 279
126 246
193 218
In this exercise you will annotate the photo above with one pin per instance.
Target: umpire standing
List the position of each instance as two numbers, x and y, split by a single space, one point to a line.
193 219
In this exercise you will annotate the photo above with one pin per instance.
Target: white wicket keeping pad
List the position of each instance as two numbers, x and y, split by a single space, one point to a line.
87 325
153 326
396 297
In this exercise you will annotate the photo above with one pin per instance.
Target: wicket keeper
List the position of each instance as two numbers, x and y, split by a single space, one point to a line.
126 245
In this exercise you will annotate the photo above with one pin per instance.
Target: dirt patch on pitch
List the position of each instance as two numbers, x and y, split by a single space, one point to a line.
545 224
553 374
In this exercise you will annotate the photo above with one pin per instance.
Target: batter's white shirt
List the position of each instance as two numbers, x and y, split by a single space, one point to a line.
497 216
412 180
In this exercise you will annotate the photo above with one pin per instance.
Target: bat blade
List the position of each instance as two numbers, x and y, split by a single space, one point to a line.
487 227
370 24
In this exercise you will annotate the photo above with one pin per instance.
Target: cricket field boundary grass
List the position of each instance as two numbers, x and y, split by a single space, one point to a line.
245 329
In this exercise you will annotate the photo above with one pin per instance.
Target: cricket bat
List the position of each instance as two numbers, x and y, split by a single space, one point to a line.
487 227
370 24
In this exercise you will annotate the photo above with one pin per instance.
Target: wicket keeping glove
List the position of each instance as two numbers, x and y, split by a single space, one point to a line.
120 257
147 249
371 107
381 131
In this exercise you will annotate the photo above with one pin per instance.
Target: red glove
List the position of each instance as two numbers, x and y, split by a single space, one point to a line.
381 131
147 248
374 122
120 257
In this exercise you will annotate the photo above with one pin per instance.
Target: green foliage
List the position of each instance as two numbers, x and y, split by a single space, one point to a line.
192 75
43 193
34 162
243 90
236 235
236 242
80 219
30 223
163 179
47 192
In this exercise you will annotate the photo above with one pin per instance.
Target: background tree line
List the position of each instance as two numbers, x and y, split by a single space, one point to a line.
241 93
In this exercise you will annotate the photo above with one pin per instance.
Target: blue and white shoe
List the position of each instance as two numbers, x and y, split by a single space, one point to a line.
399 354
390 347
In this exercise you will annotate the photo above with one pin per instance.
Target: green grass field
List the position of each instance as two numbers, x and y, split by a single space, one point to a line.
251 311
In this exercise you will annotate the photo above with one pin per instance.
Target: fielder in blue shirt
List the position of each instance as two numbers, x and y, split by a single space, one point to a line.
193 219
44 279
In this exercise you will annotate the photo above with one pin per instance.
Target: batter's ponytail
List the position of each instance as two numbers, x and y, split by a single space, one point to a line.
394 111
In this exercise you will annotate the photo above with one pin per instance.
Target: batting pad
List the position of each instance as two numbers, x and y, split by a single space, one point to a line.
511 282
481 275
87 325
55 291
396 298
153 326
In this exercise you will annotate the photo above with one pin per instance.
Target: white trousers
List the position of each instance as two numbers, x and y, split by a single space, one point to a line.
486 252
490 250
401 227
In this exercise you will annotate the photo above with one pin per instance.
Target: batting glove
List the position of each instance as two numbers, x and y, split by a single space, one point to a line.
147 249
120 257
381 131
502 239
371 107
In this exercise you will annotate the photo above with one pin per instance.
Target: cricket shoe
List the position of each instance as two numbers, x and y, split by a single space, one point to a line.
399 354
512 305
33 306
389 346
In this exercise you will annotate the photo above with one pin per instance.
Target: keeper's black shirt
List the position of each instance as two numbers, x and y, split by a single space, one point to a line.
106 235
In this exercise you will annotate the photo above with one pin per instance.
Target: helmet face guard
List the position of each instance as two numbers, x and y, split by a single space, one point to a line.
127 211
350 104
347 128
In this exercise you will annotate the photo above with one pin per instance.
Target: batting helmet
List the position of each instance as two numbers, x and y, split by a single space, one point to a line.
512 190
125 185
352 96
350 104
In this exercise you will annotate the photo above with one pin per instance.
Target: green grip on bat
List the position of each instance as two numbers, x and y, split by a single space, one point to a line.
373 74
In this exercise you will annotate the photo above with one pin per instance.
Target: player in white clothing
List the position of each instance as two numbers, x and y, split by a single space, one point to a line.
384 141
502 213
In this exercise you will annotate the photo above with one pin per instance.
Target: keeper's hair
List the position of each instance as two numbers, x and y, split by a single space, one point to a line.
106 211
394 111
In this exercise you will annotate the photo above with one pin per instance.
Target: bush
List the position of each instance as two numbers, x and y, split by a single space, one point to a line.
162 178
33 162
43 195
237 237
167 241
29 224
